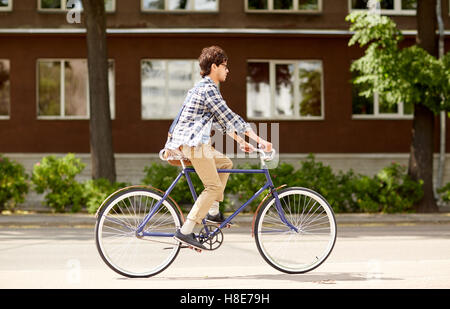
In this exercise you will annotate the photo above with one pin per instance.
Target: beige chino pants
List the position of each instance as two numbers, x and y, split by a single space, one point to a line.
206 160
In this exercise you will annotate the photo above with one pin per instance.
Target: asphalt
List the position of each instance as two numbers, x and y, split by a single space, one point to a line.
35 220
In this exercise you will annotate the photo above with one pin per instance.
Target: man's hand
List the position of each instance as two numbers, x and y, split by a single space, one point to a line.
265 145
246 147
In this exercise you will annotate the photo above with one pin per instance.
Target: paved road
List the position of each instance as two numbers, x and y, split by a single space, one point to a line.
382 256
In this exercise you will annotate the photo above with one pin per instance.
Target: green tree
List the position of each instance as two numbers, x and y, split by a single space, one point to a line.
412 75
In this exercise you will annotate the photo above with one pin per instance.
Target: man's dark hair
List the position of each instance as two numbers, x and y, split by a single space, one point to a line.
210 55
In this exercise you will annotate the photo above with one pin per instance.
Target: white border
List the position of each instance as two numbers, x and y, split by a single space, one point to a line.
8 8
190 10
272 63
396 11
166 61
62 115
247 31
294 10
7 117
400 115
64 8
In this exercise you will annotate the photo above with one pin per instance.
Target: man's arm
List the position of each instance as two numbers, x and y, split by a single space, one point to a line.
265 144
249 147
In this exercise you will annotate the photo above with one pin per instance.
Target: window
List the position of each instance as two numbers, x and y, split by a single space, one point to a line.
164 86
390 7
180 5
285 89
64 5
4 89
63 89
288 6
6 5
375 107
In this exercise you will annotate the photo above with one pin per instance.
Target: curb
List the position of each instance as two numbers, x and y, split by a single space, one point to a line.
88 221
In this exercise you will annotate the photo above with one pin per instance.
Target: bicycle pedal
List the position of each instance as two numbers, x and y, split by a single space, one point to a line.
195 249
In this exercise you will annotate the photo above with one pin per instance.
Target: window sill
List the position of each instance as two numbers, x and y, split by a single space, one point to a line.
287 118
178 12
283 12
391 13
382 117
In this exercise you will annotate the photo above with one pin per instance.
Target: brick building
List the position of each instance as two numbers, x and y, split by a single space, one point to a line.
289 64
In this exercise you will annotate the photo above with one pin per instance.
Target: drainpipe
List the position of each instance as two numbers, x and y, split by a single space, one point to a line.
443 113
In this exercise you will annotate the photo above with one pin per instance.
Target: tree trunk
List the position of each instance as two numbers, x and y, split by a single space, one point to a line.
422 144
102 153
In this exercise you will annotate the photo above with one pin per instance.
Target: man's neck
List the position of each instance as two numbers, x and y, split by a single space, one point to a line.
214 79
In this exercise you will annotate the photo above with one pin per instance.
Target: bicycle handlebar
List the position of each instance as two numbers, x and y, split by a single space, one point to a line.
266 156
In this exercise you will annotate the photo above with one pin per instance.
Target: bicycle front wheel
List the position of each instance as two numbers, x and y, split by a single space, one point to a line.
305 244
119 244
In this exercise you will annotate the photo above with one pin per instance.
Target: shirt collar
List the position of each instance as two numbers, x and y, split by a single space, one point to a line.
208 79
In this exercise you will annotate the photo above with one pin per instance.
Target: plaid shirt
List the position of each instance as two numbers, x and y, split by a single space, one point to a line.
203 108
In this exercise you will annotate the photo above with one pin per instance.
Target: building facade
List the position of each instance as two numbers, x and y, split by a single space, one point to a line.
289 65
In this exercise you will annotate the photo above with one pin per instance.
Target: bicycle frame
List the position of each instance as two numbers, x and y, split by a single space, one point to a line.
186 171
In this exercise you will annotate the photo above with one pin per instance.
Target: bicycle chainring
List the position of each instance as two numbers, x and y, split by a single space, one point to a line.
209 240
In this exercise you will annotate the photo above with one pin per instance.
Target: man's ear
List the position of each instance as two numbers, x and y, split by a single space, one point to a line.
213 66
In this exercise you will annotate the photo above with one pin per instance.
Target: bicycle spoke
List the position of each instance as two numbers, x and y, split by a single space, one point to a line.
124 250
302 250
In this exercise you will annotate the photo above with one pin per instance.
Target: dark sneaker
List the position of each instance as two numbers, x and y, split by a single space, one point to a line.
189 240
217 219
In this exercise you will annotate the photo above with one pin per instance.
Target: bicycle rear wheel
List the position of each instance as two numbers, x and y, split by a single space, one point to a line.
118 243
298 251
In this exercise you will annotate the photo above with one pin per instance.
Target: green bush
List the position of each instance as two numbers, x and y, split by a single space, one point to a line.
445 192
161 176
398 191
13 184
56 177
95 191
391 190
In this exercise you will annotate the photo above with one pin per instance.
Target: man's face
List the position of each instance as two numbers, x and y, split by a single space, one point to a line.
222 71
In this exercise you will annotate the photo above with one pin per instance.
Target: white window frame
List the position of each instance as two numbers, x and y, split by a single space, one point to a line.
272 81
62 115
166 78
377 115
7 8
396 11
65 9
7 117
189 10
294 10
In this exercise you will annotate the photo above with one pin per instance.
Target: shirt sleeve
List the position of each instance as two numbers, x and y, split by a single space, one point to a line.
224 119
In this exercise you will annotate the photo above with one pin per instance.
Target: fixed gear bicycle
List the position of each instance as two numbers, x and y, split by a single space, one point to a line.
294 227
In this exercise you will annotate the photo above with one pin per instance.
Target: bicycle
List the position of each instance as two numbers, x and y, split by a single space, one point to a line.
294 227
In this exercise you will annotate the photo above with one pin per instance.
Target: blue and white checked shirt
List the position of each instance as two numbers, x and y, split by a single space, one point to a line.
203 108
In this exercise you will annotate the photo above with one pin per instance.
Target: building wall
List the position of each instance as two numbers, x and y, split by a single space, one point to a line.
231 14
337 133
365 145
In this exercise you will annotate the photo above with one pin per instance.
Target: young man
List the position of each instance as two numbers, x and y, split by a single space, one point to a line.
203 108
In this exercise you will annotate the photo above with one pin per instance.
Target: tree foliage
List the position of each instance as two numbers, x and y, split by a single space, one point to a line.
409 75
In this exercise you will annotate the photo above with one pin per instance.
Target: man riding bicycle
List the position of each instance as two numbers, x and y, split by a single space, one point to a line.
190 134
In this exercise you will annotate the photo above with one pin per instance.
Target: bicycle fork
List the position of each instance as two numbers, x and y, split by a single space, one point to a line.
278 206
280 211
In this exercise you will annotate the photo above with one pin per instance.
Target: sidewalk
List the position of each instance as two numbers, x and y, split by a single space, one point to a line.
86 220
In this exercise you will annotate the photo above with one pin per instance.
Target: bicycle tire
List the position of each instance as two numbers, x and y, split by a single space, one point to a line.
315 230
125 222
